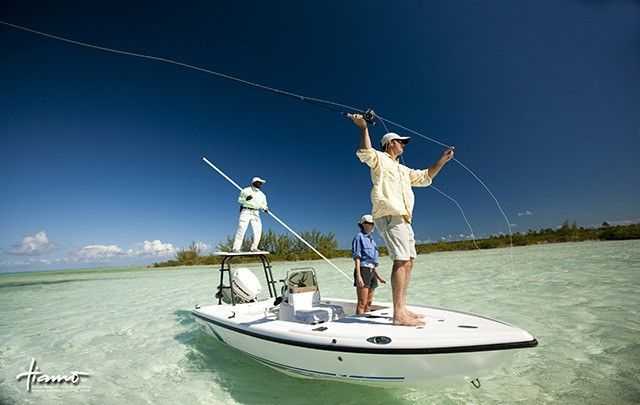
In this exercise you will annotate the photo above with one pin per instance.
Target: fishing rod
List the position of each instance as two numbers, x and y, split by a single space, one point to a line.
281 222
345 110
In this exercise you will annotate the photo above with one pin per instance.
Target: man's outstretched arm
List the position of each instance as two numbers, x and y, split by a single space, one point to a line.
365 139
447 155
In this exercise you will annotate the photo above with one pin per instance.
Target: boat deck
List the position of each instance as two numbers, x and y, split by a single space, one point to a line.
444 330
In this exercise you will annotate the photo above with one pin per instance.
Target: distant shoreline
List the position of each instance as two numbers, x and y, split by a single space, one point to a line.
114 270
566 233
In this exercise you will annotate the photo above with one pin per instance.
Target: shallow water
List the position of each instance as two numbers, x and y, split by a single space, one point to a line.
133 332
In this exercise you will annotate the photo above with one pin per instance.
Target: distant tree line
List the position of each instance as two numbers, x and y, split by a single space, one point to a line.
284 247
281 247
568 232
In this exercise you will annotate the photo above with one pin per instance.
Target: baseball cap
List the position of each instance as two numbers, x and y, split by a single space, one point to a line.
366 218
390 136
258 179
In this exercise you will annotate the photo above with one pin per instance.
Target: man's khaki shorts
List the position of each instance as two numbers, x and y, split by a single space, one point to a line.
398 236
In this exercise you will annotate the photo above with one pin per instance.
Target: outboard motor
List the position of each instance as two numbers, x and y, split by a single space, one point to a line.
246 287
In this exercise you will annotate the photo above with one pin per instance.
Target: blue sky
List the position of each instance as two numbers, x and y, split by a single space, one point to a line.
101 153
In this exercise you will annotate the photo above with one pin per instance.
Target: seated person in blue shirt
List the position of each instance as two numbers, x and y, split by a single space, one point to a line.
365 255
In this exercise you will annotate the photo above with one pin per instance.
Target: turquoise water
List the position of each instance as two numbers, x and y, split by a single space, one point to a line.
132 331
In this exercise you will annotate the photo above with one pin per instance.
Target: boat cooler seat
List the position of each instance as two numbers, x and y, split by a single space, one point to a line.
319 313
305 306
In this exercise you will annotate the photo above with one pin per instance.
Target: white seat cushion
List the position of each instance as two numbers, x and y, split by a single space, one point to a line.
337 311
315 315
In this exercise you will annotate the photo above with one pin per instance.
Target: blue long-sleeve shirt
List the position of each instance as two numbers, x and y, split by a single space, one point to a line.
364 248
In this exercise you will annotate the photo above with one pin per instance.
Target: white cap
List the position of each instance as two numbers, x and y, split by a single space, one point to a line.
258 180
390 136
366 218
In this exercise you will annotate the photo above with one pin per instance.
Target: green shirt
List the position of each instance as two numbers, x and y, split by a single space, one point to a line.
258 200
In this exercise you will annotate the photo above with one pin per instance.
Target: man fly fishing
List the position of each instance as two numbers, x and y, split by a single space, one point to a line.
392 200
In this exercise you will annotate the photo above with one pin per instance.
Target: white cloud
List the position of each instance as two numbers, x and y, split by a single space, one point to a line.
153 248
525 213
98 252
32 245
101 253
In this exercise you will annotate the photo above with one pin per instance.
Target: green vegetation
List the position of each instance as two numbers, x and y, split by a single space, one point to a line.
287 248
566 233
282 247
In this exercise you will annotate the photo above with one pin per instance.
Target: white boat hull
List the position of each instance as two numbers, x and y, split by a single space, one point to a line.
415 356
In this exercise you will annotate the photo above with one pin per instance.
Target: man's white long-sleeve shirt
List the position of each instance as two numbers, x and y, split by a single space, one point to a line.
258 200
391 193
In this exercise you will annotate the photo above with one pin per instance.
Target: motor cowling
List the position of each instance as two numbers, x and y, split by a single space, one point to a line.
246 286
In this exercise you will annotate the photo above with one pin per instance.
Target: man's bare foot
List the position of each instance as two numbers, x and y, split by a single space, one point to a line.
414 315
407 321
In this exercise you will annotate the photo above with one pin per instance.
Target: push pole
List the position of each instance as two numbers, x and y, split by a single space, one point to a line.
287 227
